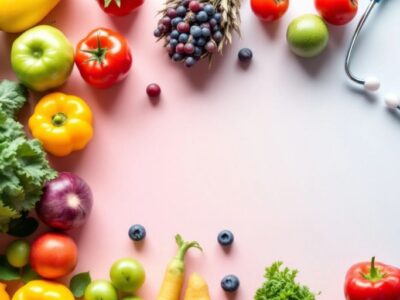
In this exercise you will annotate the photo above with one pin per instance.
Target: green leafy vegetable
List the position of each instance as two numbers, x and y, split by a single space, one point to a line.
23 165
281 285
79 283
12 96
8 272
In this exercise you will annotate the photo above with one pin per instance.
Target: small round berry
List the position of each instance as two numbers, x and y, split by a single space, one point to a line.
189 48
209 9
205 32
173 42
197 52
166 21
195 31
180 48
230 283
174 34
183 38
218 17
213 22
171 13
201 42
205 25
162 28
245 54
137 232
211 47
157 33
183 27
189 62
185 3
181 11
170 49
202 16
218 36
225 238
176 21
216 28
194 6
177 57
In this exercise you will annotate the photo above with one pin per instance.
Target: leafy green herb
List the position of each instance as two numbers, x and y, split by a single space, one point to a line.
23 165
79 283
12 96
281 285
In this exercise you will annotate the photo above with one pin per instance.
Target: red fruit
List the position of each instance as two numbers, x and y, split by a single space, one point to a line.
337 12
119 7
153 90
189 48
194 6
269 10
180 48
183 27
53 255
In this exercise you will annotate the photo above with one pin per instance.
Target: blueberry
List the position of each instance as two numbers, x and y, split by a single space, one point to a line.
209 9
201 42
171 13
176 21
157 33
218 17
181 11
183 38
216 28
195 31
202 16
230 283
173 42
218 36
205 32
225 238
189 62
213 22
245 54
197 52
137 232
177 57
185 3
174 34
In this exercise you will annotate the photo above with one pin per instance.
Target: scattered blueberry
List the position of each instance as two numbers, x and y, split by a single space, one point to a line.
209 9
183 38
181 11
245 54
205 32
202 16
189 62
230 283
137 232
225 238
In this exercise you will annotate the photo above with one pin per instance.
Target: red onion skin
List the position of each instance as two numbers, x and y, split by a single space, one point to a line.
66 202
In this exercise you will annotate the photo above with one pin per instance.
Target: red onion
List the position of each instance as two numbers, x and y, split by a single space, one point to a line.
66 202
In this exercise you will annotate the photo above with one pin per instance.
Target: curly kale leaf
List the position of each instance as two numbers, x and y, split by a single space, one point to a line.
281 285
12 97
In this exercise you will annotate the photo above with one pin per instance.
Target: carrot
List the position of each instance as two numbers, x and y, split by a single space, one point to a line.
197 288
175 273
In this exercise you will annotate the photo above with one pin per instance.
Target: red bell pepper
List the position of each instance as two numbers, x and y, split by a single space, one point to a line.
119 7
372 281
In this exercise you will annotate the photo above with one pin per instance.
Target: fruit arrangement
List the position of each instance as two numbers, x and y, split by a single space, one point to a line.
196 29
43 58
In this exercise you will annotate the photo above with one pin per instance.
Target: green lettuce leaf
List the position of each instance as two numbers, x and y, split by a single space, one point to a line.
12 97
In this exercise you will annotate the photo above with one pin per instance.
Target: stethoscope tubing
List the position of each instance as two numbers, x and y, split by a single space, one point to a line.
354 41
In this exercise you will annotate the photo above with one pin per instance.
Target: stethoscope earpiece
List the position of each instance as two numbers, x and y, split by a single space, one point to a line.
372 84
392 101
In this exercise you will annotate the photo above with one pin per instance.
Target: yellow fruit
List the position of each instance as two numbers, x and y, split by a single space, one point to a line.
19 15
197 288
3 293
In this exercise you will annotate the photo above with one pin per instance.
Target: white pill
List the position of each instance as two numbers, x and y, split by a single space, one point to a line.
392 101
372 84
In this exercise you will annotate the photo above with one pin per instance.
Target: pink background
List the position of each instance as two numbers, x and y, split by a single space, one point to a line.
298 164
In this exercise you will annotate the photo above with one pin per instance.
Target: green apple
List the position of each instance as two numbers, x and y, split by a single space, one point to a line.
17 253
100 290
308 35
42 58
127 275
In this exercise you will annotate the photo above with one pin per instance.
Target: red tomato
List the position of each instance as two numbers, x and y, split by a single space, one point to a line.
269 10
337 12
103 58
53 255
119 7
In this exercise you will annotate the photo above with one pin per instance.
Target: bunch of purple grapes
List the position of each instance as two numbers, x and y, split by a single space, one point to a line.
192 31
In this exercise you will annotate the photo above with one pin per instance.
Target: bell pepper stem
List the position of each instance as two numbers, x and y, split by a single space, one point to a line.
374 274
59 119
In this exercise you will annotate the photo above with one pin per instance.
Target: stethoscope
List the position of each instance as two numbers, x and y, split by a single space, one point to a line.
370 83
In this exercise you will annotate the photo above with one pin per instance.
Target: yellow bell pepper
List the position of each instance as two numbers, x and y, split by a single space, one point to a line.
3 293
43 290
19 15
63 123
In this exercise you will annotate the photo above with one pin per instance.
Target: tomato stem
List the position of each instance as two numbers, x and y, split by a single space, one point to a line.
59 119
108 2
99 54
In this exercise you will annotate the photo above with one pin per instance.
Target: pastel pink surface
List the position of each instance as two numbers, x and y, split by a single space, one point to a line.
228 148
